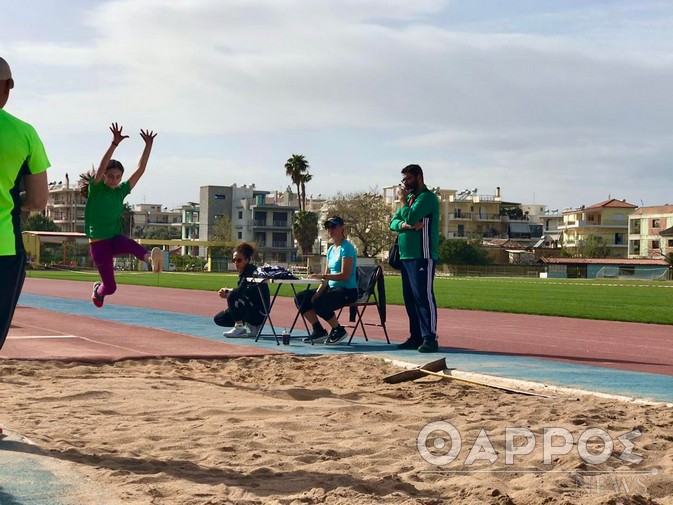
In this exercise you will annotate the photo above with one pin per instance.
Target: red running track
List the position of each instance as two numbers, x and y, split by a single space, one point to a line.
612 344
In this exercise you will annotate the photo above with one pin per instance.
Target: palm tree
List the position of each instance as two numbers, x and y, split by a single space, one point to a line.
295 167
127 220
304 179
305 230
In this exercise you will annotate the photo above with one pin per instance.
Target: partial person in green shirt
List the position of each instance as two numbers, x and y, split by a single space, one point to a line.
103 214
23 163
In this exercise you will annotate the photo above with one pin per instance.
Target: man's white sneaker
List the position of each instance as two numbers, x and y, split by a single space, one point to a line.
157 259
238 331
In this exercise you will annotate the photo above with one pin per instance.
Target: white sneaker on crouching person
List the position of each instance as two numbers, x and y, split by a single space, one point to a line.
238 331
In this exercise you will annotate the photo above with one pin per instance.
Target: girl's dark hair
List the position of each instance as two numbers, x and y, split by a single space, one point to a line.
86 182
246 249
115 164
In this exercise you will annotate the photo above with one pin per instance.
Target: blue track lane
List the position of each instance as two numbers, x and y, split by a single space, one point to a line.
606 380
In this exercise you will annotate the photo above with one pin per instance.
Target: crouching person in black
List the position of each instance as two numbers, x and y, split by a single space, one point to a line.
245 310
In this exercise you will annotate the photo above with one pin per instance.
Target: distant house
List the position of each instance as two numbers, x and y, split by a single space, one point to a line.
608 220
651 232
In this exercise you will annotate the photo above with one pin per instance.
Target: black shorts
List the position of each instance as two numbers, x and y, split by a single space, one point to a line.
12 274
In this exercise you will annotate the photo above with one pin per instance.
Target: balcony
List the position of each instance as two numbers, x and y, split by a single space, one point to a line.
262 223
466 216
489 217
279 245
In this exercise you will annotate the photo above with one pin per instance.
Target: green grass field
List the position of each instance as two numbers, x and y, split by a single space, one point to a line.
616 300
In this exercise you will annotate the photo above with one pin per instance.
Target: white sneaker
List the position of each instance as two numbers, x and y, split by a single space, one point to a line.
238 331
157 259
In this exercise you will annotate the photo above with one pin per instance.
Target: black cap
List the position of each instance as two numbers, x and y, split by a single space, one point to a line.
334 221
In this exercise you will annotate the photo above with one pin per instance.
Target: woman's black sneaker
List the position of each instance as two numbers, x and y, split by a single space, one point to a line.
336 335
411 343
318 336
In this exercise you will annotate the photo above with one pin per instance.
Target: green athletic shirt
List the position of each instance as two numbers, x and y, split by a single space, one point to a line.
423 243
103 211
21 154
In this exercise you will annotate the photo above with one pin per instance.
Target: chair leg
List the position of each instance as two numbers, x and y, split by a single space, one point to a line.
359 322
385 331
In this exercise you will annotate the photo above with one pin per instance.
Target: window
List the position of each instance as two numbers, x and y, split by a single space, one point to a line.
619 238
670 242
279 240
280 219
655 223
220 197
240 235
461 230
240 216
655 244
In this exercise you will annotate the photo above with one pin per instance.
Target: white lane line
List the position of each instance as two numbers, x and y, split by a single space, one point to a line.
28 337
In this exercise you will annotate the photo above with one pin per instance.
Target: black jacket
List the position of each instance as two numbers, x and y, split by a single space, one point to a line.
252 289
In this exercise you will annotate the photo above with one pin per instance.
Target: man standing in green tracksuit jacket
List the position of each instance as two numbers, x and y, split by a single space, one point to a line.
417 222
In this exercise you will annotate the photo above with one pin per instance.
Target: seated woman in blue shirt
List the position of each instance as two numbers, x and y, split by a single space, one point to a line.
337 289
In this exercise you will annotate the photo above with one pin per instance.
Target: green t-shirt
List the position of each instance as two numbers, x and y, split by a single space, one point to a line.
103 212
21 153
423 243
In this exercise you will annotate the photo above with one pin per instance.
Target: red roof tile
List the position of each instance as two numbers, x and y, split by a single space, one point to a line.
613 203
654 211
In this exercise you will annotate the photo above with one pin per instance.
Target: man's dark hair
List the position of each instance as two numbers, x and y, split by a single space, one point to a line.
413 169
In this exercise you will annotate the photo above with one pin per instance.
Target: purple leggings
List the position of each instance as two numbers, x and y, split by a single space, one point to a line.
103 252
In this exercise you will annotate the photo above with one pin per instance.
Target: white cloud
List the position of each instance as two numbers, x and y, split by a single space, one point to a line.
569 93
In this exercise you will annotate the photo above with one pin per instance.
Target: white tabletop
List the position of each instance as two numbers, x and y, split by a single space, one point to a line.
283 281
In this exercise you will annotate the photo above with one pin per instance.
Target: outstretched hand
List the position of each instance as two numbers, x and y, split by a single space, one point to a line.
117 135
148 136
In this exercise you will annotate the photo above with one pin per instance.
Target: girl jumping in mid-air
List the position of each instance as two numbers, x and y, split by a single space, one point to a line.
103 212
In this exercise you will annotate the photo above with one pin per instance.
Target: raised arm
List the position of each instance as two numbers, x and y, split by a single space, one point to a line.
117 137
148 137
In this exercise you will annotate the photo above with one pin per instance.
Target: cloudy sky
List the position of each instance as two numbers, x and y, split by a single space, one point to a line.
561 103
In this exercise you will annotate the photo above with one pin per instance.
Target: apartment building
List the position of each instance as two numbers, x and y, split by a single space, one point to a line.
470 214
253 219
651 232
551 221
608 219
189 226
65 206
149 217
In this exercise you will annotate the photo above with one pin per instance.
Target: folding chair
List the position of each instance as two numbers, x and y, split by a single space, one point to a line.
370 281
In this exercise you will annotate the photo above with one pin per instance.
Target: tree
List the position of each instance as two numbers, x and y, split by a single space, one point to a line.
296 167
462 252
367 218
304 179
305 230
593 246
222 232
39 222
127 219
160 233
